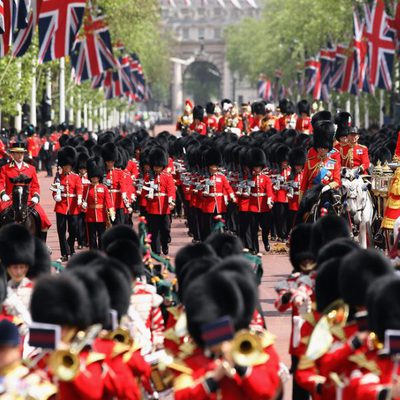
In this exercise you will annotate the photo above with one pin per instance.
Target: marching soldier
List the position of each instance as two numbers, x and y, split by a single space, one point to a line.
115 182
303 123
198 124
321 168
186 119
160 200
210 119
15 168
261 200
288 118
215 194
97 203
67 193
258 109
270 120
81 167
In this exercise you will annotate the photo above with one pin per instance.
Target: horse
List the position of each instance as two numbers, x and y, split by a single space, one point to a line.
358 203
316 203
20 211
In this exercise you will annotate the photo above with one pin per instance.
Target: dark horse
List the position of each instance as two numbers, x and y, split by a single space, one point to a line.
20 211
315 204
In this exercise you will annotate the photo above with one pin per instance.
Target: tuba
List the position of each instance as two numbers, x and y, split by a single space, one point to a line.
65 364
333 317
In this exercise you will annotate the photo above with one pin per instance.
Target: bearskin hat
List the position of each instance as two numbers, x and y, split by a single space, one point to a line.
297 156
321 117
344 123
42 263
383 155
282 154
66 156
256 157
340 246
258 108
198 113
212 157
158 157
98 295
225 244
95 167
81 260
383 305
359 269
119 232
81 162
111 272
210 297
3 285
210 108
300 245
327 229
105 137
191 252
109 152
128 145
323 135
62 300
127 252
62 140
303 107
17 245
326 283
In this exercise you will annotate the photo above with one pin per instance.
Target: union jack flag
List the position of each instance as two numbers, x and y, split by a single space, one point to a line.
6 38
264 89
93 53
23 37
128 87
327 58
381 47
339 67
395 25
360 44
138 77
59 23
312 74
2 22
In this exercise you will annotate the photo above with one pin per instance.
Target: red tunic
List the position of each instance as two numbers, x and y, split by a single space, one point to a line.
353 156
280 195
215 194
132 168
211 122
303 125
199 127
286 122
98 201
293 202
165 192
116 184
71 190
260 193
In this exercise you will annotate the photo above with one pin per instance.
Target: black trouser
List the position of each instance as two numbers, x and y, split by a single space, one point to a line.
67 245
119 217
244 228
257 220
291 220
82 234
231 217
95 232
179 206
280 211
207 224
194 216
159 226
47 165
298 393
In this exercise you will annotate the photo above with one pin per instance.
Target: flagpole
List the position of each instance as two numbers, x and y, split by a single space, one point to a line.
78 112
357 110
32 118
18 117
85 115
90 117
48 92
381 105
62 89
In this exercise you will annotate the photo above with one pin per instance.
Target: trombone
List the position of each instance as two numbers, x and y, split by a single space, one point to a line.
65 364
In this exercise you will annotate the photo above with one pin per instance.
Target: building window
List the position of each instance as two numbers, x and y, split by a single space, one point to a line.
185 33
217 33
201 33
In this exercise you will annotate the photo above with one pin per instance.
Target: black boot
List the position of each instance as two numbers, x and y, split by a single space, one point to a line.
43 236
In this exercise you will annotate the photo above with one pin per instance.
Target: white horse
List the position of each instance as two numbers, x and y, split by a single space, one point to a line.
359 202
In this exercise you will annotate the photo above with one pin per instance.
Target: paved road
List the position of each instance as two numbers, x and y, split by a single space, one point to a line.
276 267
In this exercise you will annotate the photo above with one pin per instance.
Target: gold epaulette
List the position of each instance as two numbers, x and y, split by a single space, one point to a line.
119 348
183 381
338 332
362 361
186 349
94 357
134 347
305 363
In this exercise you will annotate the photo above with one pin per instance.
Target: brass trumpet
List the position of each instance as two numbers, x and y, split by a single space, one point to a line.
121 335
65 364
247 349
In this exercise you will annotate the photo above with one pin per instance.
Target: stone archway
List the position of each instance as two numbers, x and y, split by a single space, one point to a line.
202 82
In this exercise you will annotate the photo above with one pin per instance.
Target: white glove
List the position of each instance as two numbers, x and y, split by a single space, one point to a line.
325 188
56 198
5 197
84 205
79 201
112 215
35 200
270 203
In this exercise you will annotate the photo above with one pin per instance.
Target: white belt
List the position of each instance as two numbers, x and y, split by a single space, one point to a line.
258 194
160 194
68 195
114 190
214 194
